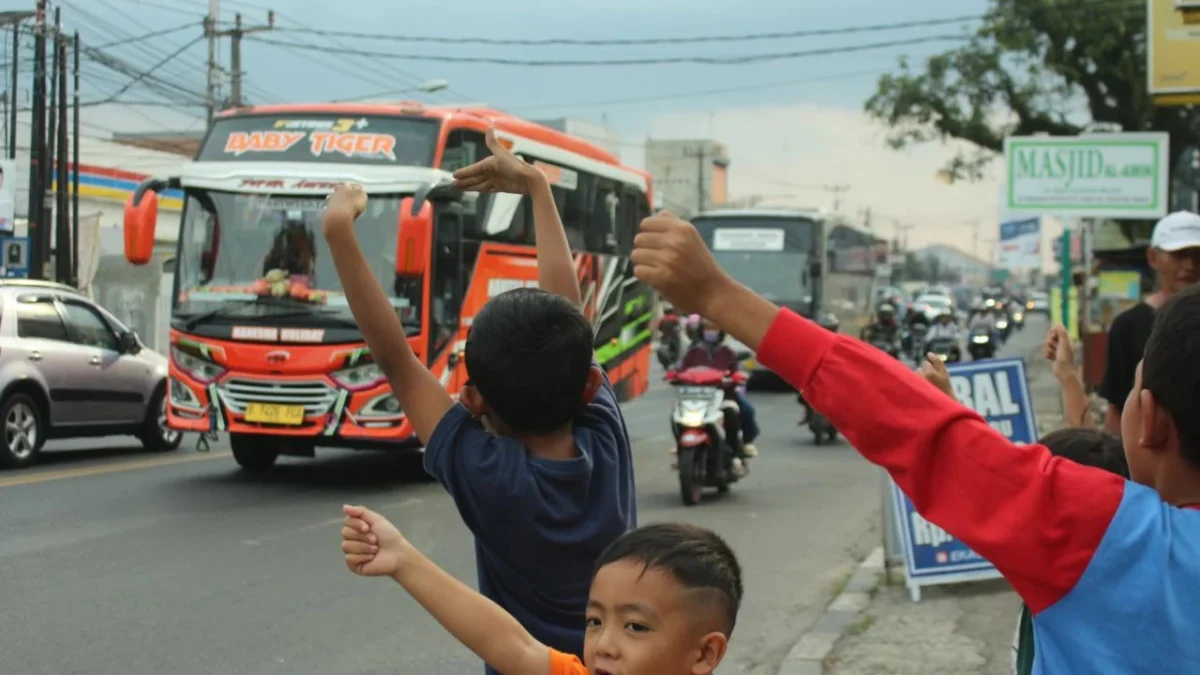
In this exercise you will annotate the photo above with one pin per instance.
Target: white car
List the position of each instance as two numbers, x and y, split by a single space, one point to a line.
933 305
1038 303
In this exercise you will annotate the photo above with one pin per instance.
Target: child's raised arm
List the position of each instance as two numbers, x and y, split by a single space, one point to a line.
374 547
420 394
505 172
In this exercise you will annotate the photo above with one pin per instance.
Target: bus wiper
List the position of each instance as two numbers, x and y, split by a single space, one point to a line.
325 315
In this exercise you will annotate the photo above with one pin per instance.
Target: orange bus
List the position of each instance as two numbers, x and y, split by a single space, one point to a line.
263 345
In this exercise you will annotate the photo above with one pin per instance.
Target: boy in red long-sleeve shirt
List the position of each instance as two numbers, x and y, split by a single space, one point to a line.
1094 556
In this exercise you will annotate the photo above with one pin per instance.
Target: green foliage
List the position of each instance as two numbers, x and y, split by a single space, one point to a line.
1060 67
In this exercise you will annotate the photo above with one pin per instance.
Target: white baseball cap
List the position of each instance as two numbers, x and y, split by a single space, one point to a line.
1177 231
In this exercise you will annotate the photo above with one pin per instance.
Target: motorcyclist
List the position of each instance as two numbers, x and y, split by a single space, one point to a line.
884 328
710 350
983 319
944 328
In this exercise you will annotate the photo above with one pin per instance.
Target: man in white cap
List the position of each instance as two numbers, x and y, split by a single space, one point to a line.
1174 255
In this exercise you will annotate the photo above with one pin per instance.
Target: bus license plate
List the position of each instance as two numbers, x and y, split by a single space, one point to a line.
274 413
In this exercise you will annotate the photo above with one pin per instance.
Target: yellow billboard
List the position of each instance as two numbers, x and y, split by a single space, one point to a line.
1172 53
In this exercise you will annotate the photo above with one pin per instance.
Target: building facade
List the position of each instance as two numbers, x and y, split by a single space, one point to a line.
689 175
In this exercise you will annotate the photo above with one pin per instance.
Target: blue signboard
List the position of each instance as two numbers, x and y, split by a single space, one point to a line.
14 257
998 391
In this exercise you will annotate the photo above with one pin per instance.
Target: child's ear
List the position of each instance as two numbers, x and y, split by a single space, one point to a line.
594 382
712 650
1157 425
471 399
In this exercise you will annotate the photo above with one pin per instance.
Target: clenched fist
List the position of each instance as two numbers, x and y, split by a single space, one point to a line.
670 255
346 203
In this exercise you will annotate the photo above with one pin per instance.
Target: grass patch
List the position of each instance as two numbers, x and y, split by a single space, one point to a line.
842 581
861 626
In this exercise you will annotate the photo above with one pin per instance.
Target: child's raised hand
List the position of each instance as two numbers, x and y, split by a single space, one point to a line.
935 373
342 207
1058 350
372 545
502 172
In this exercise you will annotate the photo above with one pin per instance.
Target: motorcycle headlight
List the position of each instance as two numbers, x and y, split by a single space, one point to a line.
1018 316
1001 325
198 367
359 377
980 339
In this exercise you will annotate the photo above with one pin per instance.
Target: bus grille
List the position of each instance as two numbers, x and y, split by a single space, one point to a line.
315 396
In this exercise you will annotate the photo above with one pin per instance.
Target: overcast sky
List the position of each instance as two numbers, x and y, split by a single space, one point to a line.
792 125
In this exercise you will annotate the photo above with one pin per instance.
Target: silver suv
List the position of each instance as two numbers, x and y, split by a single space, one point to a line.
69 369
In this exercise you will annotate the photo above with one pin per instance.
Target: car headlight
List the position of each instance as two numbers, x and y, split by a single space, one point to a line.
199 368
384 405
359 377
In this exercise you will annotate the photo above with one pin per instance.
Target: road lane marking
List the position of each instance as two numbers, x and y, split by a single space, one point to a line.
116 467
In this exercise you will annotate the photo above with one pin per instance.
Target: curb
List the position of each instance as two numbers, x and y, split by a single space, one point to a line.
807 656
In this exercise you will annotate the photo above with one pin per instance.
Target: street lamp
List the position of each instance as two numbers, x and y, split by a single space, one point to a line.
426 87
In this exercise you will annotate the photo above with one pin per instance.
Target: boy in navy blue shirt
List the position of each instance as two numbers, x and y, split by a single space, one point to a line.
535 453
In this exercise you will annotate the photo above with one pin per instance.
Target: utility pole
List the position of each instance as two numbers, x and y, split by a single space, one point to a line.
37 147
235 35
837 191
75 176
62 232
701 155
12 92
210 33
974 238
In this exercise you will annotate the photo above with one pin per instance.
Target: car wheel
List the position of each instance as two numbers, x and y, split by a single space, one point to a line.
24 431
156 436
250 453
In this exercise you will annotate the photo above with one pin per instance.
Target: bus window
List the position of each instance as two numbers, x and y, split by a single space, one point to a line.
603 218
572 209
446 282
463 148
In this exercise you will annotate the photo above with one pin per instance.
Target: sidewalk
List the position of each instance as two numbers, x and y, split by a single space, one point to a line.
958 629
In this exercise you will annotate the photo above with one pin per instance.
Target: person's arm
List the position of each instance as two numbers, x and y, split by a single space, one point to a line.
1119 370
421 395
1037 518
477 622
1077 408
556 265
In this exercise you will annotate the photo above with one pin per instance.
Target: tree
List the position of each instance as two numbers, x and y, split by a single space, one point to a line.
1061 67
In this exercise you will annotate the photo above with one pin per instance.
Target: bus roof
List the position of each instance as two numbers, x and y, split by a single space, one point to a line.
762 213
501 120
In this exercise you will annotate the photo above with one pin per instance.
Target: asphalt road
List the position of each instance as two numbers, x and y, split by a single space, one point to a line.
114 561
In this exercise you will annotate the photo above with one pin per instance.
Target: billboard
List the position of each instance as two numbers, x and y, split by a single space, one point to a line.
998 390
1020 244
1117 175
8 196
1172 54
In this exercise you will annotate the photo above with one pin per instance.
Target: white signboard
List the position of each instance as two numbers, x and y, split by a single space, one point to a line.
1120 175
8 195
747 239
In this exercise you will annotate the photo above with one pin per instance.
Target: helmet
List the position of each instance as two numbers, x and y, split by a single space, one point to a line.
885 308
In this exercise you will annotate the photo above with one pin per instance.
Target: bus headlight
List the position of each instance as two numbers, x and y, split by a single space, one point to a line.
359 377
199 368
381 406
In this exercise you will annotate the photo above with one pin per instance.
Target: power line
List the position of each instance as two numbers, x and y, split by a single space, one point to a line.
547 42
1095 5
701 92
147 36
702 60
151 70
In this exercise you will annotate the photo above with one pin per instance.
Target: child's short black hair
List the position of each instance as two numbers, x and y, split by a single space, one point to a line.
1089 447
695 557
528 354
1171 366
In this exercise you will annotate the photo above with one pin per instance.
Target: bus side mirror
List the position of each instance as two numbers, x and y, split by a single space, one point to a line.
412 244
141 216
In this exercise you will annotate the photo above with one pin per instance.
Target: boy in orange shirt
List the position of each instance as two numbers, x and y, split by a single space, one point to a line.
663 601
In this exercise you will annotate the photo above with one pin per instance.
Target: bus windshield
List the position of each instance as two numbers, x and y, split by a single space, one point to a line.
247 256
770 255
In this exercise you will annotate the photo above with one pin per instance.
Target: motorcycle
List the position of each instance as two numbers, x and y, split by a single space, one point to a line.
822 429
982 345
706 427
946 349
916 341
669 330
1003 327
1018 318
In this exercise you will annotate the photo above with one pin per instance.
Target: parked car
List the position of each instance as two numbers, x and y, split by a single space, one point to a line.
69 369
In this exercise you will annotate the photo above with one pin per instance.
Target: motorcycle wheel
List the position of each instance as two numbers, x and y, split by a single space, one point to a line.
833 434
691 476
718 475
818 437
